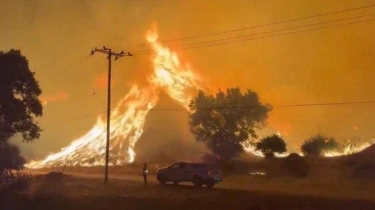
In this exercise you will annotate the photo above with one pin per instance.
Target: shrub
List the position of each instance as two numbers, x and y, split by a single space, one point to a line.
318 144
12 176
296 165
210 158
271 145
15 180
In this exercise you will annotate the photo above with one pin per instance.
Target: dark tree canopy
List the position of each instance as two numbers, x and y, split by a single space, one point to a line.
10 157
318 144
19 103
271 145
226 121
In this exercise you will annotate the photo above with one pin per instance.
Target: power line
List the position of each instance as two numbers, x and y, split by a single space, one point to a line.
246 107
274 106
326 104
243 107
267 32
88 115
247 39
258 26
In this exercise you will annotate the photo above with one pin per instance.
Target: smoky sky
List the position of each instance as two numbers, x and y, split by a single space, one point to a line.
329 65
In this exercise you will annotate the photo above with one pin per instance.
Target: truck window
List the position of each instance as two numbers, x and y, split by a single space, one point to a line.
199 166
174 166
182 165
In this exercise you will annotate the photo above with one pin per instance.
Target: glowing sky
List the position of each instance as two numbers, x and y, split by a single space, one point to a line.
330 65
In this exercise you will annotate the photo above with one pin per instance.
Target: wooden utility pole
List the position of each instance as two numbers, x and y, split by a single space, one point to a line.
117 55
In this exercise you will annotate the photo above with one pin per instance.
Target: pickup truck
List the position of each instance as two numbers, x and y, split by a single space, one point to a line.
198 173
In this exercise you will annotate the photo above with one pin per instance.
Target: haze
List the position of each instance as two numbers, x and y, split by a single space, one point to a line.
320 66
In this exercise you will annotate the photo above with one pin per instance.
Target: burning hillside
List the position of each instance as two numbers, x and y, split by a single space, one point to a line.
128 117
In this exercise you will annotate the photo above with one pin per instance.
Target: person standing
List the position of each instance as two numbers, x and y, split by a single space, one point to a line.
145 173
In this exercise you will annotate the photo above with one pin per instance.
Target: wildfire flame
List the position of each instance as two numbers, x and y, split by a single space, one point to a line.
347 150
127 119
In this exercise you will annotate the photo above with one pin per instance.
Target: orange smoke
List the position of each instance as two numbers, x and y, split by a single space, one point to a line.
170 75
101 82
283 128
60 96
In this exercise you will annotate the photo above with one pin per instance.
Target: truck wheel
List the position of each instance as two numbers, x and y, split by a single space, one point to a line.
162 179
210 184
197 181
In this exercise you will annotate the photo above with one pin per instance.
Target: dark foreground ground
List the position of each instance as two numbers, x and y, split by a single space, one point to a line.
88 192
332 183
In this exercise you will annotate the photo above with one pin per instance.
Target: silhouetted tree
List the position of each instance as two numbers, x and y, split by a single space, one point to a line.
226 121
19 103
318 144
271 145
19 106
